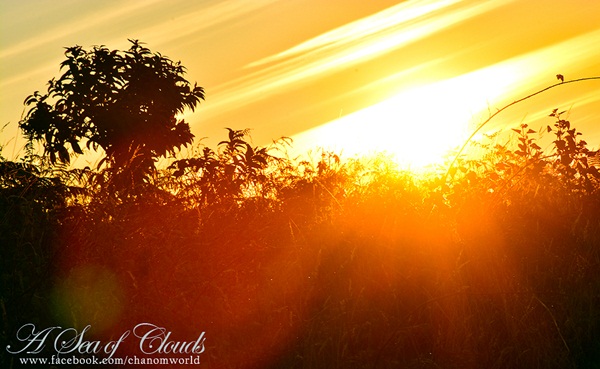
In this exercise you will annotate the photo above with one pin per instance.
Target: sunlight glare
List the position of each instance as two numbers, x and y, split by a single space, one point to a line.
420 125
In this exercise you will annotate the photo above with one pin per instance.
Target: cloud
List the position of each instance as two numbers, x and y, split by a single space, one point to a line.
345 46
203 18
447 111
362 30
73 27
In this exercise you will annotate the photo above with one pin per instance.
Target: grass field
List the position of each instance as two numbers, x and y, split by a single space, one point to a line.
491 262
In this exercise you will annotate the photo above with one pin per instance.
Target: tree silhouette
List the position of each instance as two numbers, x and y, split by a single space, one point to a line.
125 102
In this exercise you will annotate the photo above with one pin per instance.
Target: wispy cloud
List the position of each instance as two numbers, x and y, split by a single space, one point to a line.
461 103
362 31
73 27
203 18
164 31
345 46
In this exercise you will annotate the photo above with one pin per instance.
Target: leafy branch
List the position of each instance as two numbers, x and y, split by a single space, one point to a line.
468 140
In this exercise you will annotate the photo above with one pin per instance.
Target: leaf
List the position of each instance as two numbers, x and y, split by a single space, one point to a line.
63 154
451 171
502 166
76 147
31 99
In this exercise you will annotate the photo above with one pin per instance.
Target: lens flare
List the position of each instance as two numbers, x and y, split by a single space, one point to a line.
88 295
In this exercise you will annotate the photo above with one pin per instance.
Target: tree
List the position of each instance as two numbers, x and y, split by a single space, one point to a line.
126 103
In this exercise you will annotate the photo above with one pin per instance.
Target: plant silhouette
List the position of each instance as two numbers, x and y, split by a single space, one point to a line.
229 173
125 103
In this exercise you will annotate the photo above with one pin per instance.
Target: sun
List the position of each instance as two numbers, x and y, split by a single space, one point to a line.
418 126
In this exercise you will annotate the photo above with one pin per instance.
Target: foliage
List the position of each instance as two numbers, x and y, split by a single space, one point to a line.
32 200
235 171
126 103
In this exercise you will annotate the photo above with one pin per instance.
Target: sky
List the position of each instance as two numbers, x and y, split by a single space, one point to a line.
413 78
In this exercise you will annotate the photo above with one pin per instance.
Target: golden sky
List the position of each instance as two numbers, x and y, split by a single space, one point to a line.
354 75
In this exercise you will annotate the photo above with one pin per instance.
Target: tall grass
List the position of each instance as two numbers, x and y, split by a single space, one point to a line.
332 263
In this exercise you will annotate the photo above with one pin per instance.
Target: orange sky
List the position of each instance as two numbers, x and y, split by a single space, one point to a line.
432 68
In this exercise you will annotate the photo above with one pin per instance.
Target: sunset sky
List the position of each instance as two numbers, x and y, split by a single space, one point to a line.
412 78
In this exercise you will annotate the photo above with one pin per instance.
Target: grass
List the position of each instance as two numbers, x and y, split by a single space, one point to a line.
332 264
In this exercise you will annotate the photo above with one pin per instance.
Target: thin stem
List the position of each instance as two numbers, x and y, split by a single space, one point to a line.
462 148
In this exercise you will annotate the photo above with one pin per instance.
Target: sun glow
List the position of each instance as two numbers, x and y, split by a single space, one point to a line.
417 126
